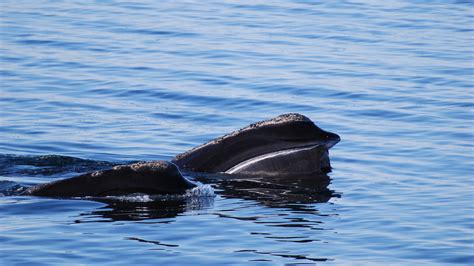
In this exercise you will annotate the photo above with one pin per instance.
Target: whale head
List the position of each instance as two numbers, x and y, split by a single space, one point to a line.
285 138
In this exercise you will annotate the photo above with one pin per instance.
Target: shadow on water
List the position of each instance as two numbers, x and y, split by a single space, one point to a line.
272 192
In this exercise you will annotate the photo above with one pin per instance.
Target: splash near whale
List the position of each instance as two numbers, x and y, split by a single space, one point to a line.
287 146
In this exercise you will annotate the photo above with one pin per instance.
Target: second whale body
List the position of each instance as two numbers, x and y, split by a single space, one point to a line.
289 145
157 177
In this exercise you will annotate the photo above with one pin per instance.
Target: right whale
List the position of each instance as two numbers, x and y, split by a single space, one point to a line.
289 144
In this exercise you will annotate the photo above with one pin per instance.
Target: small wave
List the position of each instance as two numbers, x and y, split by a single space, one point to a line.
136 197
47 165
200 191
10 188
199 198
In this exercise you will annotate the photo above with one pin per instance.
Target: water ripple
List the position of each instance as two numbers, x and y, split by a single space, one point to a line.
114 82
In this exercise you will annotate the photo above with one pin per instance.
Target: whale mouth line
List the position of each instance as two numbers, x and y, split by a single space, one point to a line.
236 168
326 143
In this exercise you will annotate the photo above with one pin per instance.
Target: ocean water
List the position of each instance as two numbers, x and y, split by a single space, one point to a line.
87 85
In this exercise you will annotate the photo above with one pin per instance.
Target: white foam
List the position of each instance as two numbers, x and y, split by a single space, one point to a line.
197 193
200 191
137 197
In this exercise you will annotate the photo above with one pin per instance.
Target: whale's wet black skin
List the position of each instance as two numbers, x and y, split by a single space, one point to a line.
285 132
158 177
287 146
300 161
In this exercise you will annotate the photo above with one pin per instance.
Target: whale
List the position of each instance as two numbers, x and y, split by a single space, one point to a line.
287 146
154 178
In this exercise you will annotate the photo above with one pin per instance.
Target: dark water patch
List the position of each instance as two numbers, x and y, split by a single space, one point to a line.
151 242
163 33
299 257
13 165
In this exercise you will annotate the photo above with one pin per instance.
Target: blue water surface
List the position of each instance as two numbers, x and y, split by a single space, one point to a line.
116 81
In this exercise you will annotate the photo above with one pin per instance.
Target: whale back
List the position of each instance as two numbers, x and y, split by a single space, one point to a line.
158 177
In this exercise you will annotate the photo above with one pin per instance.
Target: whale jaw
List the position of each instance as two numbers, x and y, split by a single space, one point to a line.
302 161
274 138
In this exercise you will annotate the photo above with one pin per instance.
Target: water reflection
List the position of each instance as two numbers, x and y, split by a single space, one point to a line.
275 192
294 193
144 207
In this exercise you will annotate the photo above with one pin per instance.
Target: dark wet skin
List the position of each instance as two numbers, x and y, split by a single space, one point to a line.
289 131
282 132
158 177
